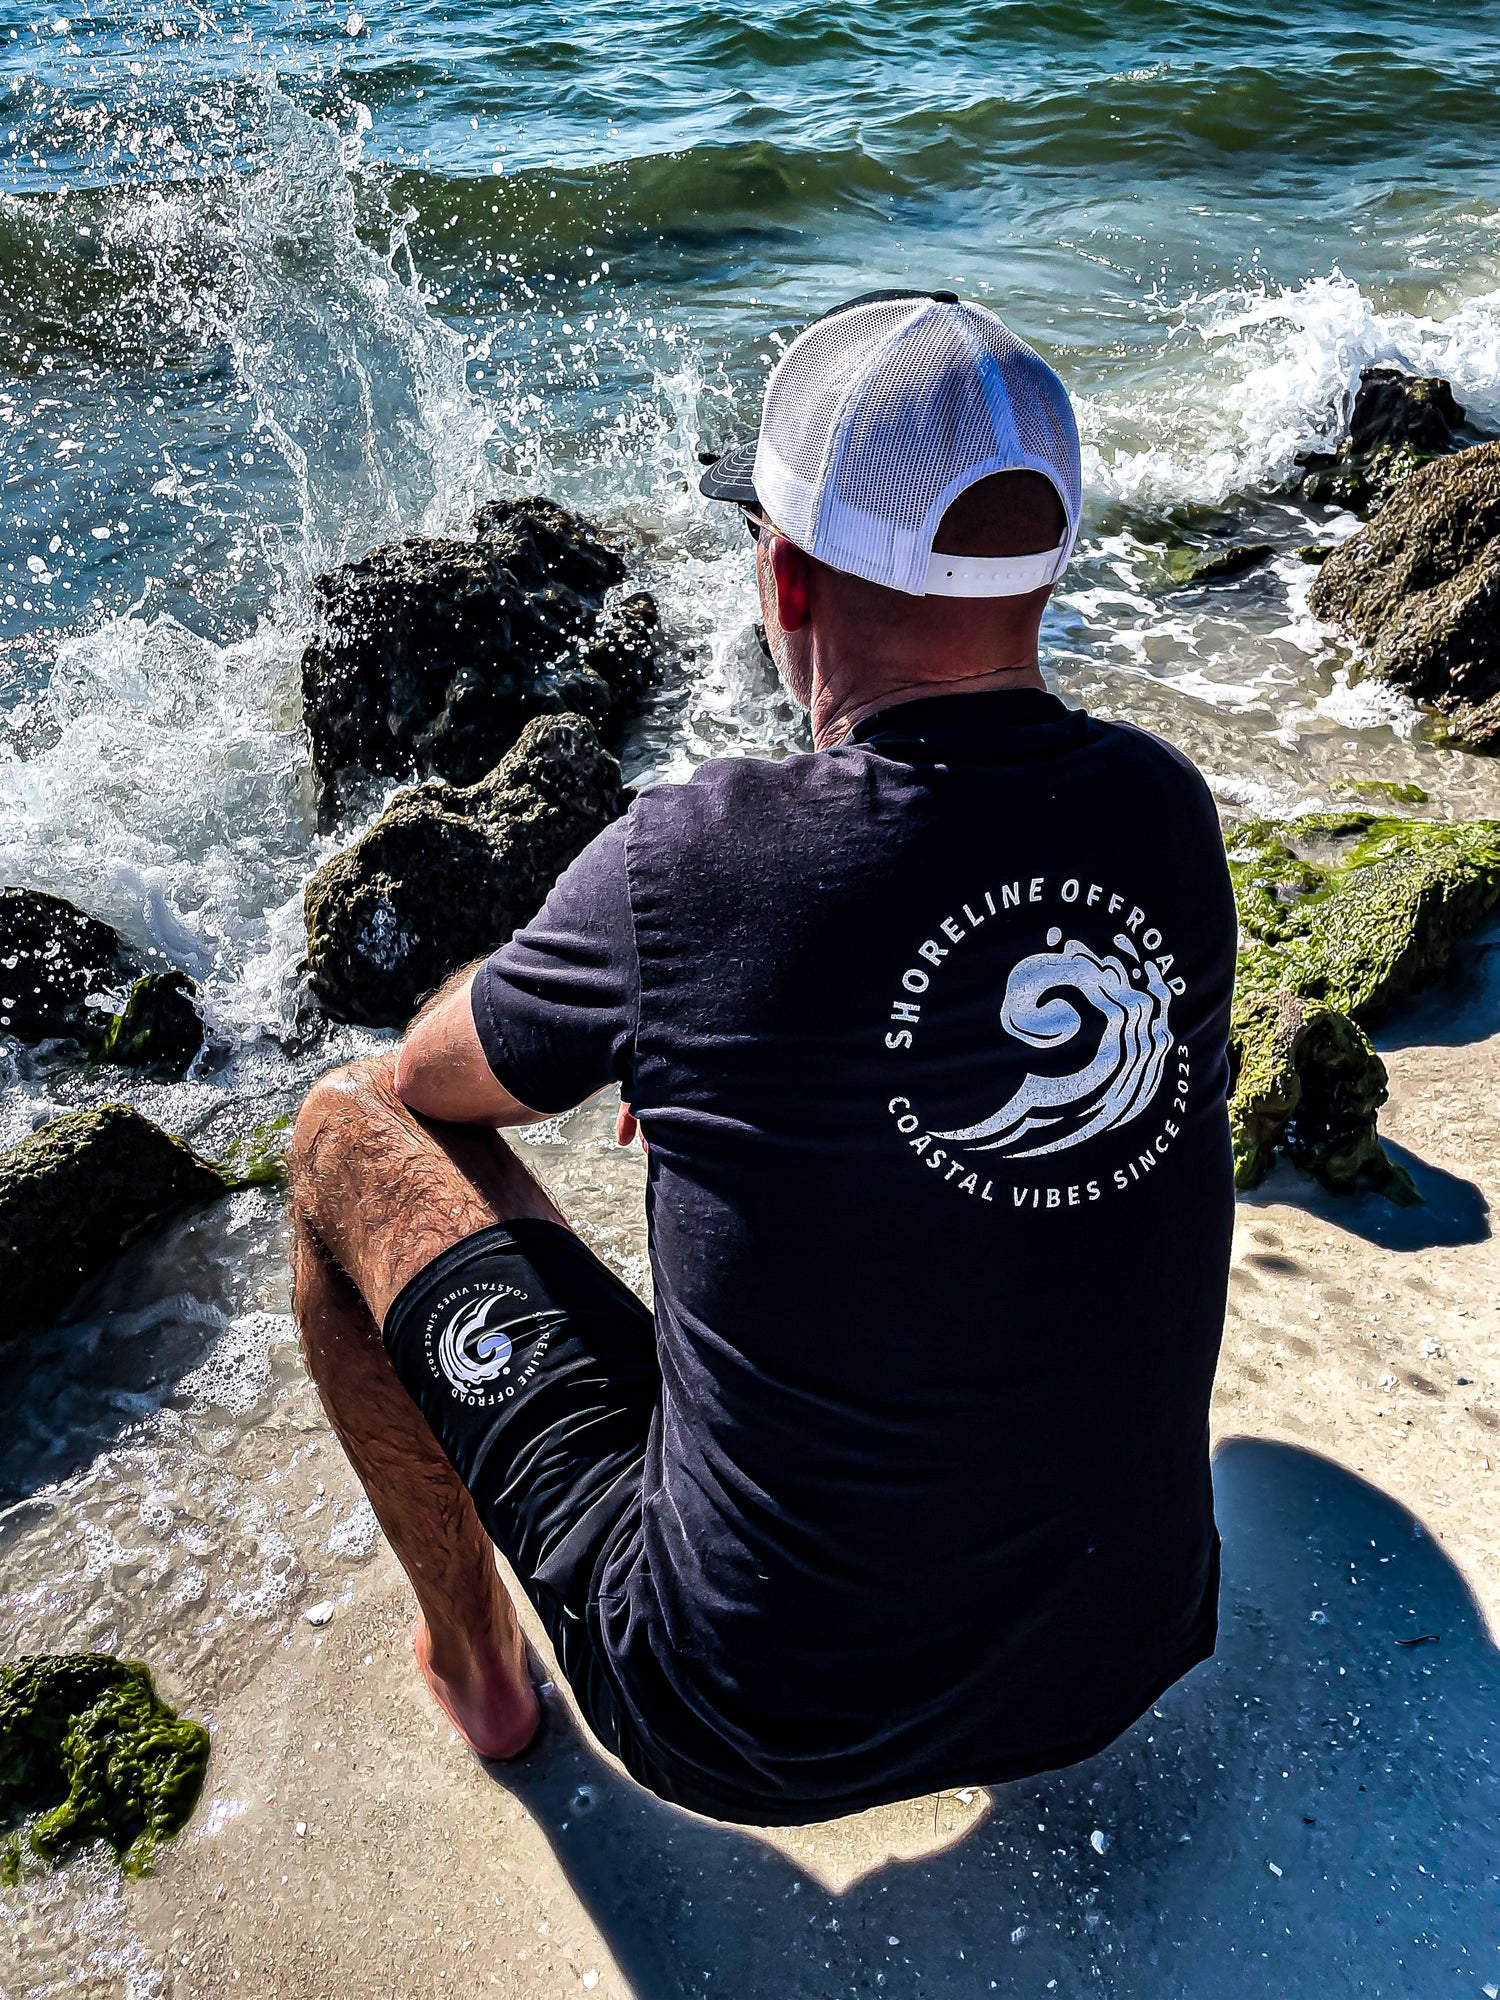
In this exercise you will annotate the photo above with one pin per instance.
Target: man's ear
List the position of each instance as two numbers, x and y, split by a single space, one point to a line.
792 571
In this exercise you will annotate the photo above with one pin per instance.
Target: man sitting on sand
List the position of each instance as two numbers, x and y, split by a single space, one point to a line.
905 1484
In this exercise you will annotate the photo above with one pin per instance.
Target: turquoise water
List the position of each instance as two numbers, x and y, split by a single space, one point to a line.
279 282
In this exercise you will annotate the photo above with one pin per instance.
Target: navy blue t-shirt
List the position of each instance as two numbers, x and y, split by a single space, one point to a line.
927 1036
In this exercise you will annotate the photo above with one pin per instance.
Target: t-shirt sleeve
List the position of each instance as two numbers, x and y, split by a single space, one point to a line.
556 1007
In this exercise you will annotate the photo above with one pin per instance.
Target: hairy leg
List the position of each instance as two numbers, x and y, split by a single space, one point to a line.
377 1193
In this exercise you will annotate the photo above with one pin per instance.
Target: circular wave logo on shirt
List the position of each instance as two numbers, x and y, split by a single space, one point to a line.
1123 1070
1099 1008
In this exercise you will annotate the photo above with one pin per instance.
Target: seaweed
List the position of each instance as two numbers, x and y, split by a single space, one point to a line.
259 1158
89 1751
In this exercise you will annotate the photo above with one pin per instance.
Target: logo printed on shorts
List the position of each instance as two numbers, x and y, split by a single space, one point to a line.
473 1353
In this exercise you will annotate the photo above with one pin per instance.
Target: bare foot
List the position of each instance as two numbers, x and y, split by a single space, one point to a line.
495 1714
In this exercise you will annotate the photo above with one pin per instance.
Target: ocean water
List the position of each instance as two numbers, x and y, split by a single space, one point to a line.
279 282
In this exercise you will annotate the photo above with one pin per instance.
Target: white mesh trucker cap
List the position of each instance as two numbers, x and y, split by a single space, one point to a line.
879 415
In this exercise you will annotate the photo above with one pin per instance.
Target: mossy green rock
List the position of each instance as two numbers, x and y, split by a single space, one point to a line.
1188 565
75 1193
447 872
1308 1082
1341 916
88 1751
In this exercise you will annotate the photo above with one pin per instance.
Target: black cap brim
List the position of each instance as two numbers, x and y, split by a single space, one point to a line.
732 476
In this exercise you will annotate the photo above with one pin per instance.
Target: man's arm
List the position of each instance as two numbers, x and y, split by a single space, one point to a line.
552 1012
442 1070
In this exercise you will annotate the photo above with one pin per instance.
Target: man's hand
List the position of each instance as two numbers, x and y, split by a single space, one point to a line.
627 1131
442 1071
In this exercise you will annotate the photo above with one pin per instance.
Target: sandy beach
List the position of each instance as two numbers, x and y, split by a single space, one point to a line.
1300 1816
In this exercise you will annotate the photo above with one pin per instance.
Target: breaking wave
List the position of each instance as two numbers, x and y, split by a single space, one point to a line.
1250 376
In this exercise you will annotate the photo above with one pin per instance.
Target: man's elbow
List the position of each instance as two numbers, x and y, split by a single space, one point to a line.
410 1075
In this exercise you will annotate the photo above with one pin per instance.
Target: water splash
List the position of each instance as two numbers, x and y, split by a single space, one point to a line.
362 389
1251 376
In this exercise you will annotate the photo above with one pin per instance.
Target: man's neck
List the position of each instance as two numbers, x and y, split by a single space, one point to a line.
836 710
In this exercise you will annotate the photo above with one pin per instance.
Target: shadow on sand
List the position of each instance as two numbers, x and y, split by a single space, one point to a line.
1452 1210
1311 1813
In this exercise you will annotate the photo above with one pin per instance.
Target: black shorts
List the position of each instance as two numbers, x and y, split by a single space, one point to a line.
536 1370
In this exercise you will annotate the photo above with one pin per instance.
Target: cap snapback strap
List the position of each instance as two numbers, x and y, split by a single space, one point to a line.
993 576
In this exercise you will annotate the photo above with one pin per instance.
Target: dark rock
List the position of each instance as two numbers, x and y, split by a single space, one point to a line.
1399 423
432 654
1188 565
89 1751
74 1193
447 872
160 1030
1342 915
1393 408
53 956
1419 586
1472 725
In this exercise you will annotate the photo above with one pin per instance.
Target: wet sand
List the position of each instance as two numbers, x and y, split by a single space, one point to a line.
1312 1812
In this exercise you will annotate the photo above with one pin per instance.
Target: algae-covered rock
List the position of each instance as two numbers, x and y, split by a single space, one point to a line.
1392 791
447 872
54 959
1306 1080
160 1028
1187 564
75 1193
1420 588
1355 909
431 654
89 1751
1341 915
1398 424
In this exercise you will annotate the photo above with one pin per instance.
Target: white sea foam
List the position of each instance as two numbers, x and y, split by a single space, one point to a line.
357 1532
236 1372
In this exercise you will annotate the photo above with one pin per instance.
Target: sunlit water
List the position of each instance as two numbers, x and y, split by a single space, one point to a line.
280 282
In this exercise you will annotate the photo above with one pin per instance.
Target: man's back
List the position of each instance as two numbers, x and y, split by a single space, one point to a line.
907 1481
928 1045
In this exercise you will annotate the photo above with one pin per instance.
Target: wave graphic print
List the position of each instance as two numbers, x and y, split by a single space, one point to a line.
1120 1078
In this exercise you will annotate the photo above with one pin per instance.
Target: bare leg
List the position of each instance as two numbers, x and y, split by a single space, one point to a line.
377 1193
